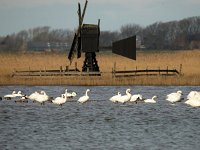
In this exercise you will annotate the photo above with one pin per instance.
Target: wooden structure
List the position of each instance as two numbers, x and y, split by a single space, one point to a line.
146 72
65 71
86 39
62 71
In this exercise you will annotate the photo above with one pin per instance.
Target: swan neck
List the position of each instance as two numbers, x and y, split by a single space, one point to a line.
65 96
86 93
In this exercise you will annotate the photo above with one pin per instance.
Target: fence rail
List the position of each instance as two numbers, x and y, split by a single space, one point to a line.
146 72
62 71
115 73
55 73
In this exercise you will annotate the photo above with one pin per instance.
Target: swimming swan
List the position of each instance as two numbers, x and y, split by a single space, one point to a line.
84 98
193 99
42 97
115 97
70 95
33 96
125 98
9 96
136 97
60 100
152 100
193 94
18 94
174 97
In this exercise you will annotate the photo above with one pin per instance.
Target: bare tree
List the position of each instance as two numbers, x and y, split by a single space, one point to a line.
130 30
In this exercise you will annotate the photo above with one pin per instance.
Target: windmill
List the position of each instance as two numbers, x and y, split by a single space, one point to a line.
86 40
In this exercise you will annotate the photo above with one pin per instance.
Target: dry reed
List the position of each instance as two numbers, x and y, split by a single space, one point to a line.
190 61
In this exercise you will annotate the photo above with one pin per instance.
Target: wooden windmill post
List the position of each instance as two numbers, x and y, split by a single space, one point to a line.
86 40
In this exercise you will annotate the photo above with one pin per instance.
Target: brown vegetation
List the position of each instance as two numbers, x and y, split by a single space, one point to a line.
190 61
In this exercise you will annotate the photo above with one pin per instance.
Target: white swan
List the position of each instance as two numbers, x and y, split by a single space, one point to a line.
9 96
193 99
60 100
115 97
42 97
136 97
152 100
174 97
84 98
193 102
33 96
73 94
18 94
193 94
125 98
70 95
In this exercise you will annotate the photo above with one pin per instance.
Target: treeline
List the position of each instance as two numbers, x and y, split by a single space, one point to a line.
173 35
19 41
183 34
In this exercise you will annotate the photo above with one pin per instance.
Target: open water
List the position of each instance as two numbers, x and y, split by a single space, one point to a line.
99 124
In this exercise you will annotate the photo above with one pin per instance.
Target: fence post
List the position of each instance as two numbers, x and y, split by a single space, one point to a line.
114 69
147 71
29 70
76 66
60 68
44 71
180 70
14 71
167 70
40 72
67 68
135 70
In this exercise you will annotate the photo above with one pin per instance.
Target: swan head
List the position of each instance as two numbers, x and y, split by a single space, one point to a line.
154 97
42 92
65 90
179 92
140 97
128 90
14 92
19 92
88 90
36 92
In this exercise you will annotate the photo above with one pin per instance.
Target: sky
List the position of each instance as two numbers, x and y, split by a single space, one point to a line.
17 15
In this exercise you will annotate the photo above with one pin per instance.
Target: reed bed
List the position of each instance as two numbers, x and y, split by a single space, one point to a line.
190 61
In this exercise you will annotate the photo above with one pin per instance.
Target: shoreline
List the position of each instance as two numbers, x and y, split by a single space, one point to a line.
87 81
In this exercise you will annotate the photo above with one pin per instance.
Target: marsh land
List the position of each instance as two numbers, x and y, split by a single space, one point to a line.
189 59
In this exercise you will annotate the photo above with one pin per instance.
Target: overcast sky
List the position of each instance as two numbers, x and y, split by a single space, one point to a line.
17 15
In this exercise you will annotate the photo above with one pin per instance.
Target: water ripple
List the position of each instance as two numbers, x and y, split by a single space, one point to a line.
99 124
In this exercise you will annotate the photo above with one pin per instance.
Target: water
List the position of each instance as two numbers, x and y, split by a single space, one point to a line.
99 124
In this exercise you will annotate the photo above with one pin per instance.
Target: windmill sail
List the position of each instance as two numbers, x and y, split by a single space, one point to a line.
76 45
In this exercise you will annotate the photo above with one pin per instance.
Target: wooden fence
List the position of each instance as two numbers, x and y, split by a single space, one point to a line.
146 72
62 71
66 71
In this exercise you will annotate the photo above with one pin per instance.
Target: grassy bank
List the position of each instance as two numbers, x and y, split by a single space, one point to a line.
190 61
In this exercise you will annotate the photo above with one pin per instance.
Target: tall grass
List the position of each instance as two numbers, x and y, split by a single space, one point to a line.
190 61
